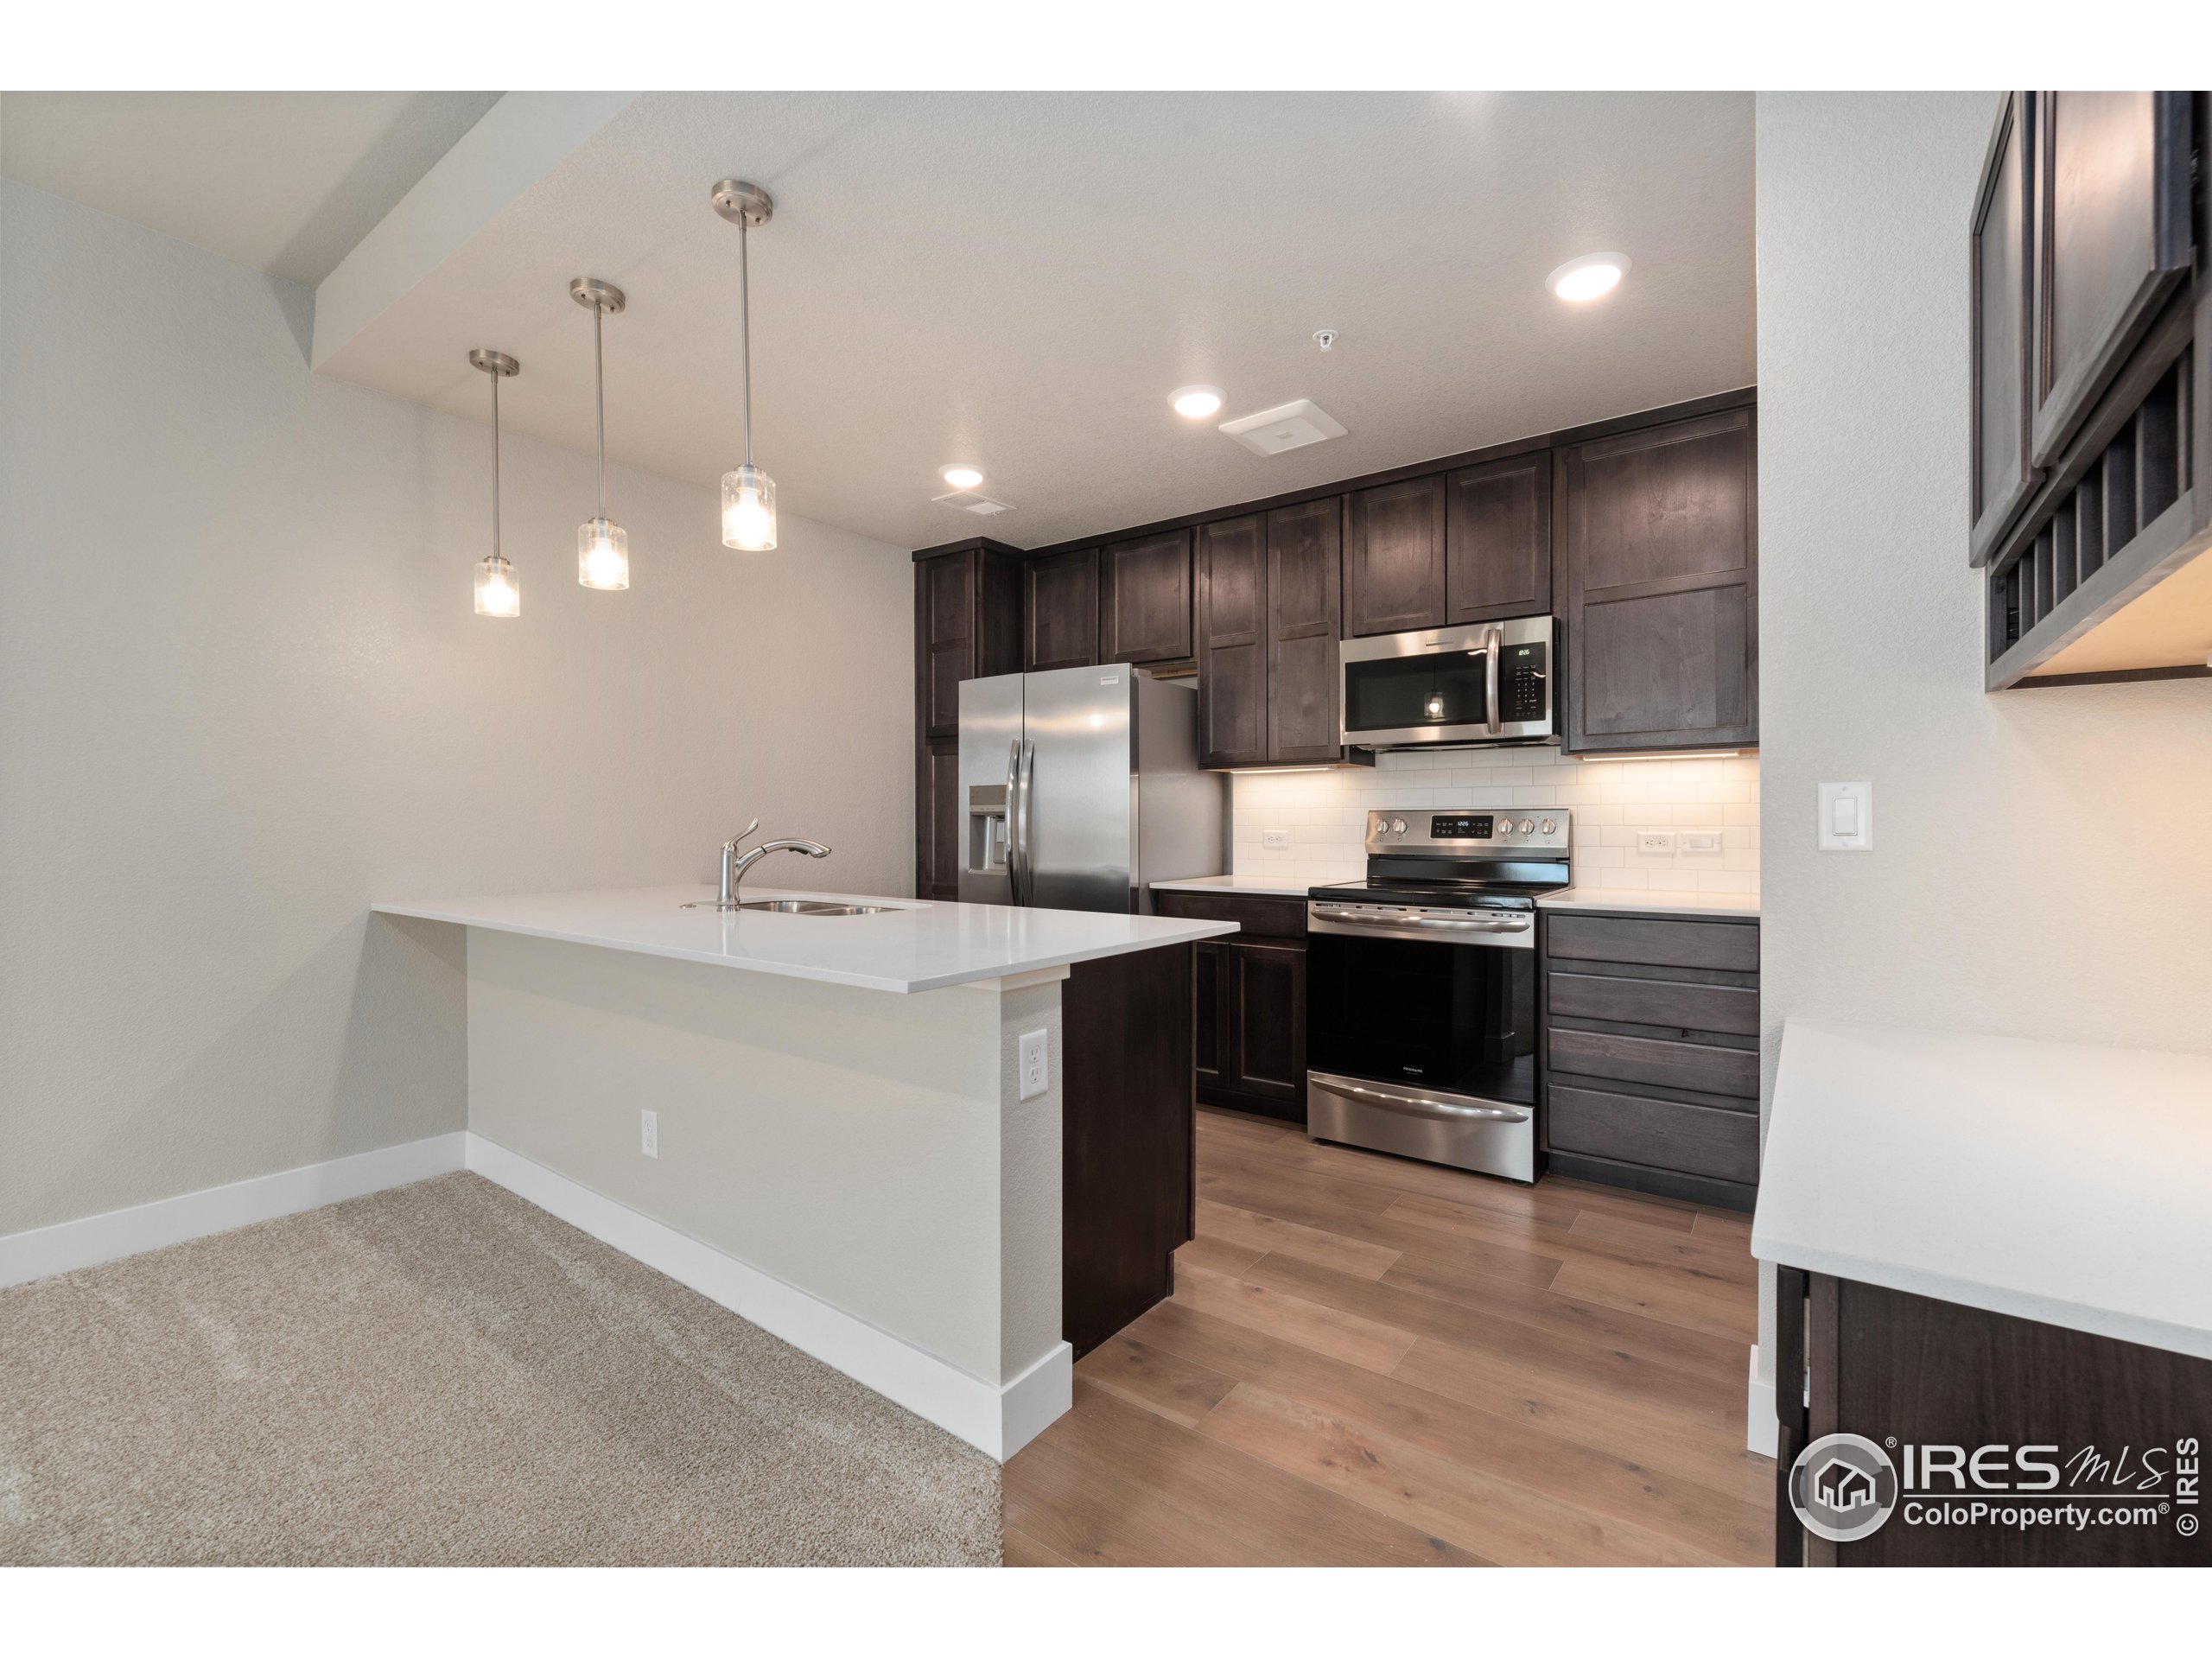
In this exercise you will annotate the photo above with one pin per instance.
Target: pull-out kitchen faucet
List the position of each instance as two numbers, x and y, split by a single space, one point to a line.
736 864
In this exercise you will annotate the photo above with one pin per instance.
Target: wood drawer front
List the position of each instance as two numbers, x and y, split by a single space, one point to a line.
1731 1008
1268 914
1658 1133
1699 1066
1657 943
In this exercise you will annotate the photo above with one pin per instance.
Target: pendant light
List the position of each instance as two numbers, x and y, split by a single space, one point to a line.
602 546
748 493
498 591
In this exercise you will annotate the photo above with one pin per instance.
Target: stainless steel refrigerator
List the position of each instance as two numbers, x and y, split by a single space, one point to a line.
1082 787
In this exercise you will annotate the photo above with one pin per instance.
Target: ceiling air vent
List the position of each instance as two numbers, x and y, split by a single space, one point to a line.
1290 426
971 501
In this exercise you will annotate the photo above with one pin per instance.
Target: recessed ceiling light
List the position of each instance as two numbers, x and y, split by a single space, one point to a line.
962 477
1195 403
1586 278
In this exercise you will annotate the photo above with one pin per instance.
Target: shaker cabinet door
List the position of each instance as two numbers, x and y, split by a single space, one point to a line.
1393 557
2000 475
1059 611
1497 539
1304 604
1661 542
1144 599
1232 642
2112 241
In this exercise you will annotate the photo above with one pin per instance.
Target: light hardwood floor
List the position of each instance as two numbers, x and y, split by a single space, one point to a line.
1370 1361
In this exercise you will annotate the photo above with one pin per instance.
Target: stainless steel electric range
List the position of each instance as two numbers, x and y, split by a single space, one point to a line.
1421 987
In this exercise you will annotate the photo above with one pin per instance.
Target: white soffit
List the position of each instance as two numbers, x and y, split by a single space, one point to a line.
1019 280
284 182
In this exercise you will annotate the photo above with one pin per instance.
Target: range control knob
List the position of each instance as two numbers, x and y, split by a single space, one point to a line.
1397 826
1549 826
1505 826
1527 828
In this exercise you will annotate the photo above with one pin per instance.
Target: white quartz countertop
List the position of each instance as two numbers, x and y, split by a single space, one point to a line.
2052 1181
1275 885
914 946
1735 907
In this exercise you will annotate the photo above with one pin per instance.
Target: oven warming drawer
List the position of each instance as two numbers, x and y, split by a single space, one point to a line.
1491 1137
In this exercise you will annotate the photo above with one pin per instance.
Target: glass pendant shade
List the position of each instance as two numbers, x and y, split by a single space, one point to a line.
602 553
748 510
499 590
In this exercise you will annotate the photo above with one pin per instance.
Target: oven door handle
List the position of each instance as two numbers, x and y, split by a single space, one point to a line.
1434 923
1419 1105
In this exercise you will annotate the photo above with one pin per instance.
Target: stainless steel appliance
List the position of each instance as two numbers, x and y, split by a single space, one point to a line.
1486 683
1082 787
1421 987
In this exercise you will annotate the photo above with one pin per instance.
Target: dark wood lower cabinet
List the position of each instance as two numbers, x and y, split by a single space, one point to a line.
1651 1065
1912 1374
1248 1045
1127 1147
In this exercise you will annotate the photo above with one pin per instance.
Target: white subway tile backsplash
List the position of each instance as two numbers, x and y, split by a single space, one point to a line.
1324 813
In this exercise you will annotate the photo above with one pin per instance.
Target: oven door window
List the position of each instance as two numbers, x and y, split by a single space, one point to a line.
1438 688
1455 1017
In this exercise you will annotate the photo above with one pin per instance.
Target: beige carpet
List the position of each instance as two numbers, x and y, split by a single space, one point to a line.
444 1374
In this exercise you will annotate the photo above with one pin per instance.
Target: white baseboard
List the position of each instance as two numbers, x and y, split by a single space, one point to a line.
1761 1429
68 1245
996 1420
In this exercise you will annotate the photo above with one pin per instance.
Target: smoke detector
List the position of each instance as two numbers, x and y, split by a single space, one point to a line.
973 501
1289 426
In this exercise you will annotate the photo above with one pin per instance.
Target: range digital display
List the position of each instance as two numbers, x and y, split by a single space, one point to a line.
1465 827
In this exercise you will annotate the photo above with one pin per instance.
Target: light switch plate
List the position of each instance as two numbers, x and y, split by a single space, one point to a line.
1847 821
1701 840
1655 840
649 1133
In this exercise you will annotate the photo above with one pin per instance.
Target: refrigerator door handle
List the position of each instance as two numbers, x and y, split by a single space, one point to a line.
1028 762
1014 820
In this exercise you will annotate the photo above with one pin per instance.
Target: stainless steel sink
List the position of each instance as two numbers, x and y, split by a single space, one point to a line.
812 907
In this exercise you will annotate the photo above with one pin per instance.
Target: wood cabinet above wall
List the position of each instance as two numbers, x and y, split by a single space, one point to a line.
1393 557
2086 504
1059 611
1660 532
1144 599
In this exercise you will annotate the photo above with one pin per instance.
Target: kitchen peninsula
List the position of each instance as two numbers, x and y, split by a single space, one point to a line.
822 1121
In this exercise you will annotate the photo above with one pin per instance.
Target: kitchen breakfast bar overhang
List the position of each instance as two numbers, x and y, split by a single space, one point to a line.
844 1155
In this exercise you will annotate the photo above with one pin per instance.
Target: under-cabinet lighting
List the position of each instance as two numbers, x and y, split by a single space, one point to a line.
1668 754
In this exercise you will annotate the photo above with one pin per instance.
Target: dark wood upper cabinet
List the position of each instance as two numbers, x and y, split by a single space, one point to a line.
1144 599
1059 611
1232 642
1659 532
966 625
2112 241
1497 539
1305 617
1393 557
2000 266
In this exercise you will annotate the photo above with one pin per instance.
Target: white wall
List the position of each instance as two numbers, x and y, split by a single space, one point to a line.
242 696
1324 813
2039 866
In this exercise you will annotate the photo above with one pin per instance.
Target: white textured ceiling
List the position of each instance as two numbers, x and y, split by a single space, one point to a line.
286 182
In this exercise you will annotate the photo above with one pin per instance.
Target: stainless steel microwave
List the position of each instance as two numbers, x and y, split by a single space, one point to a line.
1485 683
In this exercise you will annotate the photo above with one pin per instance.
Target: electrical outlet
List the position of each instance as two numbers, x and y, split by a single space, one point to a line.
1701 840
649 1133
1275 841
1655 840
1036 1076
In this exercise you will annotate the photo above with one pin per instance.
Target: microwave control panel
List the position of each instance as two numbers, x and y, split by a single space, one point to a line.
1521 682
